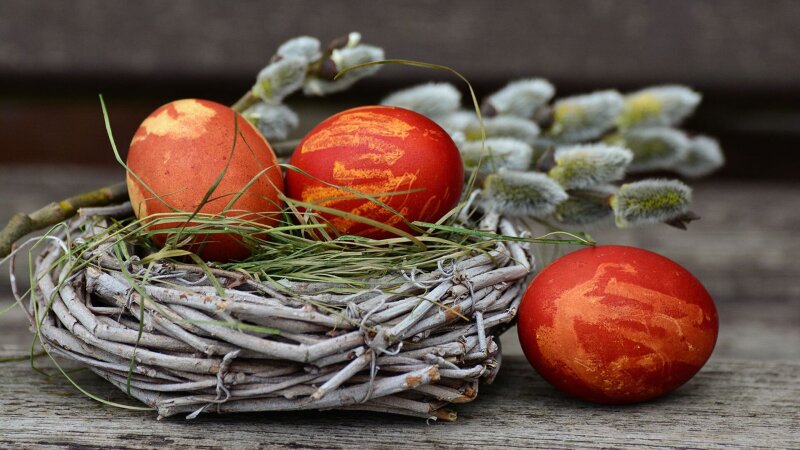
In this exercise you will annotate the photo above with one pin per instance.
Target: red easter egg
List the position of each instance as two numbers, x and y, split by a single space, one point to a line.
180 150
378 150
614 324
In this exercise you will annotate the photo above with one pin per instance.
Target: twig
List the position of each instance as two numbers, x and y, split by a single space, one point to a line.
21 224
121 211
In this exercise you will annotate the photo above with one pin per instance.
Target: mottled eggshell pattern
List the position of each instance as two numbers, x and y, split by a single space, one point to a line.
614 324
378 150
180 150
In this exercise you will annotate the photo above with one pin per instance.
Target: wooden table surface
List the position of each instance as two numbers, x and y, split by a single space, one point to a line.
730 403
748 395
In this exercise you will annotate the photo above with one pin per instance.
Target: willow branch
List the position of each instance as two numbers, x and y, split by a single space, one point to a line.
245 101
21 224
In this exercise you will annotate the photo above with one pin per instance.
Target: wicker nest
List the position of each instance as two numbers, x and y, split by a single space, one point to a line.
411 345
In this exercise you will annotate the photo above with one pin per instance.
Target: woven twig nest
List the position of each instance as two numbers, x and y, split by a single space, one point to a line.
412 344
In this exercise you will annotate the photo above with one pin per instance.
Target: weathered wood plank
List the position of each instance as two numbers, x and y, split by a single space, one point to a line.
730 403
745 246
14 325
739 53
737 44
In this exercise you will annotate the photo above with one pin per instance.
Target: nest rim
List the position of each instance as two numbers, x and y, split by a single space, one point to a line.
366 367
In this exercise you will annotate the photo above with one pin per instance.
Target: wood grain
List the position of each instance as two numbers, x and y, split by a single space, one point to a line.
744 247
747 396
730 403
736 44
55 57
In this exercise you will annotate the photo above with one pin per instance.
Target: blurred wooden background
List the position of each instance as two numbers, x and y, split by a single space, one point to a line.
55 57
743 55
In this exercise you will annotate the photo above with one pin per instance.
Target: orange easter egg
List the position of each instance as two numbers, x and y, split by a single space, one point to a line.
400 157
614 324
180 150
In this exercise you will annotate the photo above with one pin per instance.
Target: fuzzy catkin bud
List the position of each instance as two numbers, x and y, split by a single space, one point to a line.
658 106
585 117
704 156
280 78
521 98
457 121
654 148
650 201
306 47
500 153
345 58
580 210
458 138
584 166
522 194
504 126
429 99
273 121
348 57
353 39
